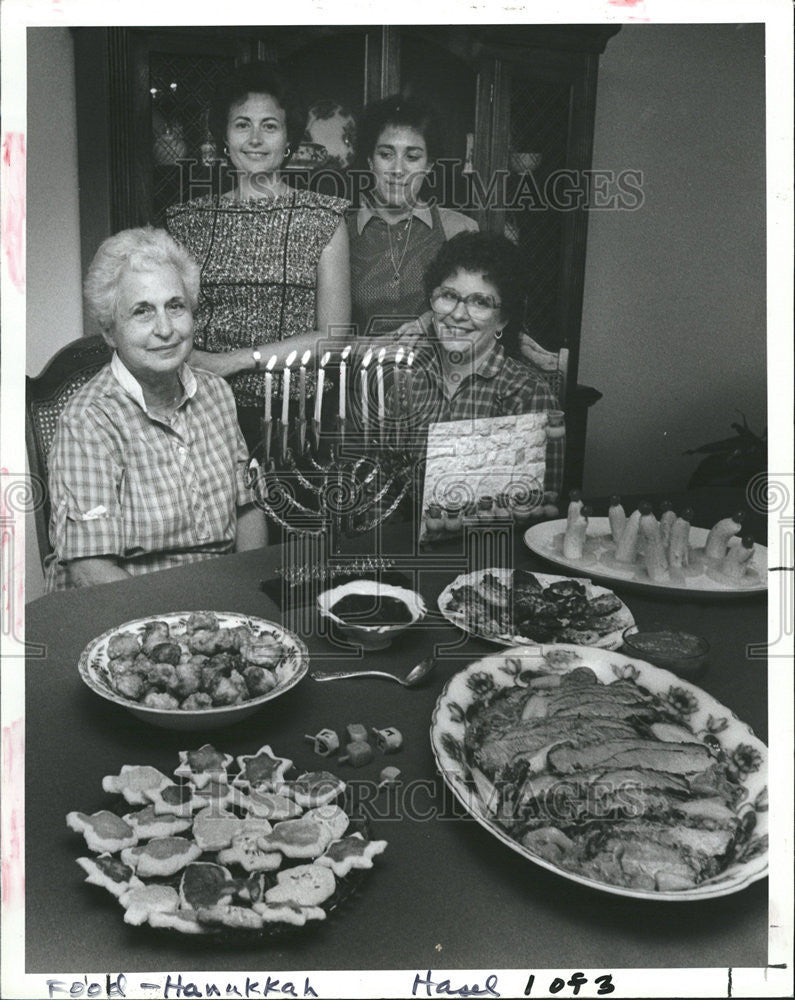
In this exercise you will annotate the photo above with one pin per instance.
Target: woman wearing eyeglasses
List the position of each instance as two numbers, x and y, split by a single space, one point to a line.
467 361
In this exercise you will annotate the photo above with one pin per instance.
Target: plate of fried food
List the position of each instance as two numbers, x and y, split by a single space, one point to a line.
607 771
512 607
225 852
194 669
667 553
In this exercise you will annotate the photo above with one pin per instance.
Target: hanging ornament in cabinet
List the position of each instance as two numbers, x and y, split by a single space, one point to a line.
208 150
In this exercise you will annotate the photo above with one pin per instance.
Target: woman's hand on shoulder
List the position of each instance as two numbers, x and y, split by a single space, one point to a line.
410 334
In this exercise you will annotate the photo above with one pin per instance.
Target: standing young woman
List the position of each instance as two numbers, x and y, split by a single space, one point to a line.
394 235
274 260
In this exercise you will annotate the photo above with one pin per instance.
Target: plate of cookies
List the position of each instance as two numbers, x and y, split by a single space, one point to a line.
190 670
225 848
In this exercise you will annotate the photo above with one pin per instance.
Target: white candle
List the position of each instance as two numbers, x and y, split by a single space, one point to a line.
398 408
408 381
365 401
269 385
379 382
302 385
321 377
398 358
343 377
286 387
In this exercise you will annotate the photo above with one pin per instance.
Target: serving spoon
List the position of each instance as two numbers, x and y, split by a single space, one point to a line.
414 677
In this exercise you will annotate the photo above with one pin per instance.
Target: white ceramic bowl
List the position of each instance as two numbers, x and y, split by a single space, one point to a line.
95 672
370 636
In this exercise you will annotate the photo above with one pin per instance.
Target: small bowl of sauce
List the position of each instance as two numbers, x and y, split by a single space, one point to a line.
371 613
682 653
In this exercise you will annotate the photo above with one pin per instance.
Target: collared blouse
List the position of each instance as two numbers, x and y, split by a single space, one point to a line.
388 264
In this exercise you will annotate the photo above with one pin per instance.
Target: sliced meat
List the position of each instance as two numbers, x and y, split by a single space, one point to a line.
715 782
701 847
643 862
578 678
521 740
638 777
549 843
712 811
676 758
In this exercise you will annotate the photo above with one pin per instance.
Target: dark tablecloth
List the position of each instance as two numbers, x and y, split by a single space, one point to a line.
445 893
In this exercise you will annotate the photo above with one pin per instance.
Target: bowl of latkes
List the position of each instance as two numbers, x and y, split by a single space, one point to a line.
192 670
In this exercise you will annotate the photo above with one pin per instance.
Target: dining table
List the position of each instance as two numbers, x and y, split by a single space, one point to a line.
445 892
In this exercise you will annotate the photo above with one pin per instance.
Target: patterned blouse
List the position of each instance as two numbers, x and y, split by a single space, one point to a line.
259 261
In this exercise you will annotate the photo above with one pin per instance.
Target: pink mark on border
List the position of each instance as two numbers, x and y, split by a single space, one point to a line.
13 226
634 5
13 867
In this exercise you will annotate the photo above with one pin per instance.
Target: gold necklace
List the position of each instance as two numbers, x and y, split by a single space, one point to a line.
396 267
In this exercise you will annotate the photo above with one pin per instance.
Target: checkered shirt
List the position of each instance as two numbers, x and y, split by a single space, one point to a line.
151 494
501 385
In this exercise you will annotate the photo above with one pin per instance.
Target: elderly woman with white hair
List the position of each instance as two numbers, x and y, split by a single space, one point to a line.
147 469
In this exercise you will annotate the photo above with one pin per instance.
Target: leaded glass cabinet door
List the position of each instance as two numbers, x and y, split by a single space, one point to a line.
183 154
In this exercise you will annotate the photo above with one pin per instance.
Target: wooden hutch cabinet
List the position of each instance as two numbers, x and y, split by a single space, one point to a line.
517 102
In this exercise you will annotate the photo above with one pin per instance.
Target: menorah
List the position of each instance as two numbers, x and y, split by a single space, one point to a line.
345 472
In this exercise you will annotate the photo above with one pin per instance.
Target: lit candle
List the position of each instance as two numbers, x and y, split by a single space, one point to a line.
407 382
365 401
398 358
302 385
286 387
269 385
321 377
343 375
379 382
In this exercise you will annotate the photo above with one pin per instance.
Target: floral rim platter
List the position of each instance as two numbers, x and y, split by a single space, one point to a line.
711 722
545 540
94 670
621 619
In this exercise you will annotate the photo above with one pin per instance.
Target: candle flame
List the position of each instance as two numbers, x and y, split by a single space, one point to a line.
305 358
345 352
398 355
325 359
290 358
271 363
381 355
410 359
367 358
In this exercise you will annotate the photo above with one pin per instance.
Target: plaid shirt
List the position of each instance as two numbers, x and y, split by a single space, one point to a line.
151 494
500 386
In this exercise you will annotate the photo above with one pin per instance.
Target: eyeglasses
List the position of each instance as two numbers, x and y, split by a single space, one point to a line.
446 300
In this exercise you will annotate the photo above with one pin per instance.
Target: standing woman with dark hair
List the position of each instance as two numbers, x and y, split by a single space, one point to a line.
394 235
274 260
